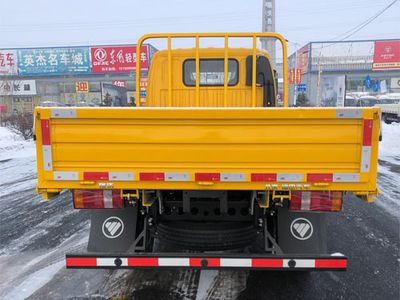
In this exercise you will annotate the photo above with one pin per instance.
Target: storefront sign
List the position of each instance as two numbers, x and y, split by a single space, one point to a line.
143 83
333 90
82 87
22 104
302 87
54 61
395 83
302 58
120 59
17 87
121 83
386 55
143 88
8 62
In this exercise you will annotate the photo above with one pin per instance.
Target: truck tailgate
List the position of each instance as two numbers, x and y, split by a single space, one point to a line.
207 148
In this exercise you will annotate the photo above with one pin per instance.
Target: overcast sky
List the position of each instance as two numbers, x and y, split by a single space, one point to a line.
26 23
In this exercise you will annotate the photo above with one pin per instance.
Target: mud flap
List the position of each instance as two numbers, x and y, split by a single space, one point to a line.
302 232
112 230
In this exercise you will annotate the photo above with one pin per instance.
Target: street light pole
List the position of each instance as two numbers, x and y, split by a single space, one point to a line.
296 45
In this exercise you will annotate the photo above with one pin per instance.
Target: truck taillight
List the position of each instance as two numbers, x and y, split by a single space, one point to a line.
97 199
316 200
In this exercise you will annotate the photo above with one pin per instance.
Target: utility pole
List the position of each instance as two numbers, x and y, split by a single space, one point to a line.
268 25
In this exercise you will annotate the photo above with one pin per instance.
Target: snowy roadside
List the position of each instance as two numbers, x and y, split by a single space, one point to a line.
34 235
13 145
51 229
17 162
389 147
389 168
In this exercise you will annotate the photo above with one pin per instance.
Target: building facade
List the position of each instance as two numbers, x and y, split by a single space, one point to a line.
325 71
70 76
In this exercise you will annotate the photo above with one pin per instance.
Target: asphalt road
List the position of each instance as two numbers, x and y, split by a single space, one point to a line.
369 236
35 235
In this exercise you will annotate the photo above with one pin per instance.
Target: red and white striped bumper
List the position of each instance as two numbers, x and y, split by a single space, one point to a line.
186 260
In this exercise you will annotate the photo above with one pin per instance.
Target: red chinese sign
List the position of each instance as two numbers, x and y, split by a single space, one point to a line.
302 58
386 55
120 83
143 83
82 87
121 59
291 76
8 62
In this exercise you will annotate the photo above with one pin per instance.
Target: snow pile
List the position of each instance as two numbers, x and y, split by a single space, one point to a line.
389 147
17 163
13 145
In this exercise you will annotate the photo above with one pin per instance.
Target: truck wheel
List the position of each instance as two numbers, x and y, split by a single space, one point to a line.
385 119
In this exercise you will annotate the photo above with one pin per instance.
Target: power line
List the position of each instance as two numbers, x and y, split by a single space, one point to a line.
357 28
220 17
360 26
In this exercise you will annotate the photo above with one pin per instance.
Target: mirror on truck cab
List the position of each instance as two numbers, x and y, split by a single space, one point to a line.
264 77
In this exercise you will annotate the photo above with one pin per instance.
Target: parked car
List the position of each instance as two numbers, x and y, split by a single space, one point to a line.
367 101
350 101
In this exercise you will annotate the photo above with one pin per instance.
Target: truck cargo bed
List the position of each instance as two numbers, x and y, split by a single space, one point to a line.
207 148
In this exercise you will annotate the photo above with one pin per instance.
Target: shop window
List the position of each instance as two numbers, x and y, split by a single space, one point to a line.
94 86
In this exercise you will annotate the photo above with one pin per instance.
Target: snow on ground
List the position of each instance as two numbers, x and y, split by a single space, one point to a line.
40 243
389 147
33 237
35 281
206 280
389 168
17 162
13 145
20 280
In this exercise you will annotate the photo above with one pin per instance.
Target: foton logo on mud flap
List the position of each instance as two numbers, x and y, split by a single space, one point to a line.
112 227
301 229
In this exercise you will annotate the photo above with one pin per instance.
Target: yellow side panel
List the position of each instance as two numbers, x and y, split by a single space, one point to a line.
308 140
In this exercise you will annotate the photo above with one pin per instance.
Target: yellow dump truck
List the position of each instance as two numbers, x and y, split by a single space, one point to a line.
210 166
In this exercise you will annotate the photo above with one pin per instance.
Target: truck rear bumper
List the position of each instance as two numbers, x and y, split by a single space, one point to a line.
336 262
